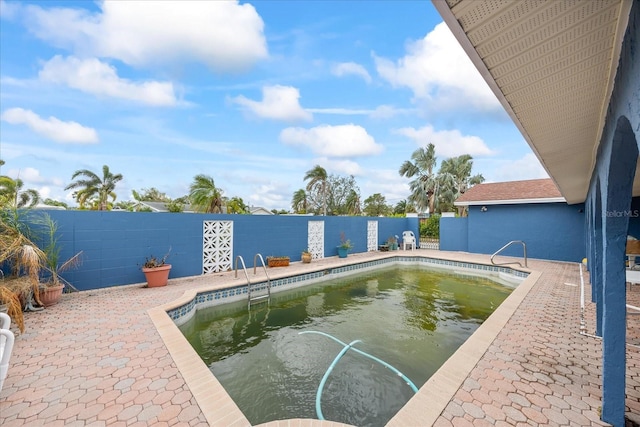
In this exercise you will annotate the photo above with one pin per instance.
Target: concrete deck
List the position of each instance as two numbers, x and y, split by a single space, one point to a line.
106 357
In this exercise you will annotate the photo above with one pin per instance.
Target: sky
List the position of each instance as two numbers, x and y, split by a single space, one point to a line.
253 94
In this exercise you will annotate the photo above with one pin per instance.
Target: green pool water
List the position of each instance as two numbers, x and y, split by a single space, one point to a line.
410 317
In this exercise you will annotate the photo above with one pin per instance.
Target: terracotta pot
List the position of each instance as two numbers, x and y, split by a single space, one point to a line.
306 258
278 262
157 276
50 295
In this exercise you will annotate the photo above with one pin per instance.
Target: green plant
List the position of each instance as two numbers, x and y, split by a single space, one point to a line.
344 242
431 227
51 250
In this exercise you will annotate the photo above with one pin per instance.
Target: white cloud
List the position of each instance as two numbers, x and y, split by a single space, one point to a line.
224 35
448 143
351 68
52 128
98 78
438 70
278 103
527 167
333 141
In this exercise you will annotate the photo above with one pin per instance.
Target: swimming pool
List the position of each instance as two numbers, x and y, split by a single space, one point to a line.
407 317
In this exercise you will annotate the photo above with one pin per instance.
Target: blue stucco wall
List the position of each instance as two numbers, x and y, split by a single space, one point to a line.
454 234
114 245
553 231
613 216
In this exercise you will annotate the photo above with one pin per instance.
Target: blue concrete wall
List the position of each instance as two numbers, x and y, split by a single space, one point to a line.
454 234
114 245
553 231
614 216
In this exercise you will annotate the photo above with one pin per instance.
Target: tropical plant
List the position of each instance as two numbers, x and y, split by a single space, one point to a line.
424 185
353 204
205 196
318 180
299 202
236 205
51 249
51 202
150 195
175 206
93 189
22 258
12 194
455 179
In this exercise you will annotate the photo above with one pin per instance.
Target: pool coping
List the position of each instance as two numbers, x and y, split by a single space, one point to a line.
422 409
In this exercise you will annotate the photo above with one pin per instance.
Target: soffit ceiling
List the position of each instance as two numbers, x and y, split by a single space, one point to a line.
552 65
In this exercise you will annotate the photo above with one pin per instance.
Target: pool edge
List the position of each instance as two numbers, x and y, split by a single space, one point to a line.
219 409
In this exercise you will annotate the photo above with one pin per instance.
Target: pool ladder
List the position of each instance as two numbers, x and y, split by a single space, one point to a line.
252 298
524 249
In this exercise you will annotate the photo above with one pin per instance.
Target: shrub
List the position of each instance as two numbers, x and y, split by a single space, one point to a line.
431 227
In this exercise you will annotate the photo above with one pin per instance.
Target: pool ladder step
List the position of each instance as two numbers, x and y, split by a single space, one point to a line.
252 289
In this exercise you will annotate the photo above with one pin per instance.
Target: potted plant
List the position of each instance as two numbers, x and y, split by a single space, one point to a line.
156 271
277 261
51 289
306 256
344 247
392 242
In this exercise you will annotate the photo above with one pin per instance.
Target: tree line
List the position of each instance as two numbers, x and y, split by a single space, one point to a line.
324 194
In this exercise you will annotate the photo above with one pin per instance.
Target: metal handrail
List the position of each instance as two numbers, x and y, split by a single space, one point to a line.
255 258
524 249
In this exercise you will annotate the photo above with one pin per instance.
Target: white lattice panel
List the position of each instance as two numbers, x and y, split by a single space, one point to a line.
315 239
217 246
372 235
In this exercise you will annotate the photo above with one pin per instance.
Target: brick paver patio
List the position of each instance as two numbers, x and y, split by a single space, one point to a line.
96 359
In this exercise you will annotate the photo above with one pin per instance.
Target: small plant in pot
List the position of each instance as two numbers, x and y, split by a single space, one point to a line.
277 261
156 271
306 256
345 246
52 288
392 242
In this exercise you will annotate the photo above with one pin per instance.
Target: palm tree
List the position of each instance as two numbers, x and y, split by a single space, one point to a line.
11 194
318 177
93 186
299 202
423 187
353 204
205 196
455 174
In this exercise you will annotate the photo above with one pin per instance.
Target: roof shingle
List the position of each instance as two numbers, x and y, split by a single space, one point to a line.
529 191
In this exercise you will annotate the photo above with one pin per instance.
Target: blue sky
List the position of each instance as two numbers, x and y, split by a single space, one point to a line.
253 94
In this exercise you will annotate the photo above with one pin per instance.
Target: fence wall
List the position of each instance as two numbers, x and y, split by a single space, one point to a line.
553 231
114 245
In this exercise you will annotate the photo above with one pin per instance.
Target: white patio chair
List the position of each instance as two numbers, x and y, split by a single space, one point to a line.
6 346
408 239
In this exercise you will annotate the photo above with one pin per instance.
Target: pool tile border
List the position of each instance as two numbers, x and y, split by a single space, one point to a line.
183 313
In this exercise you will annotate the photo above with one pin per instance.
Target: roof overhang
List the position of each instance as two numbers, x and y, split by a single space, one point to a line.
552 66
511 201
